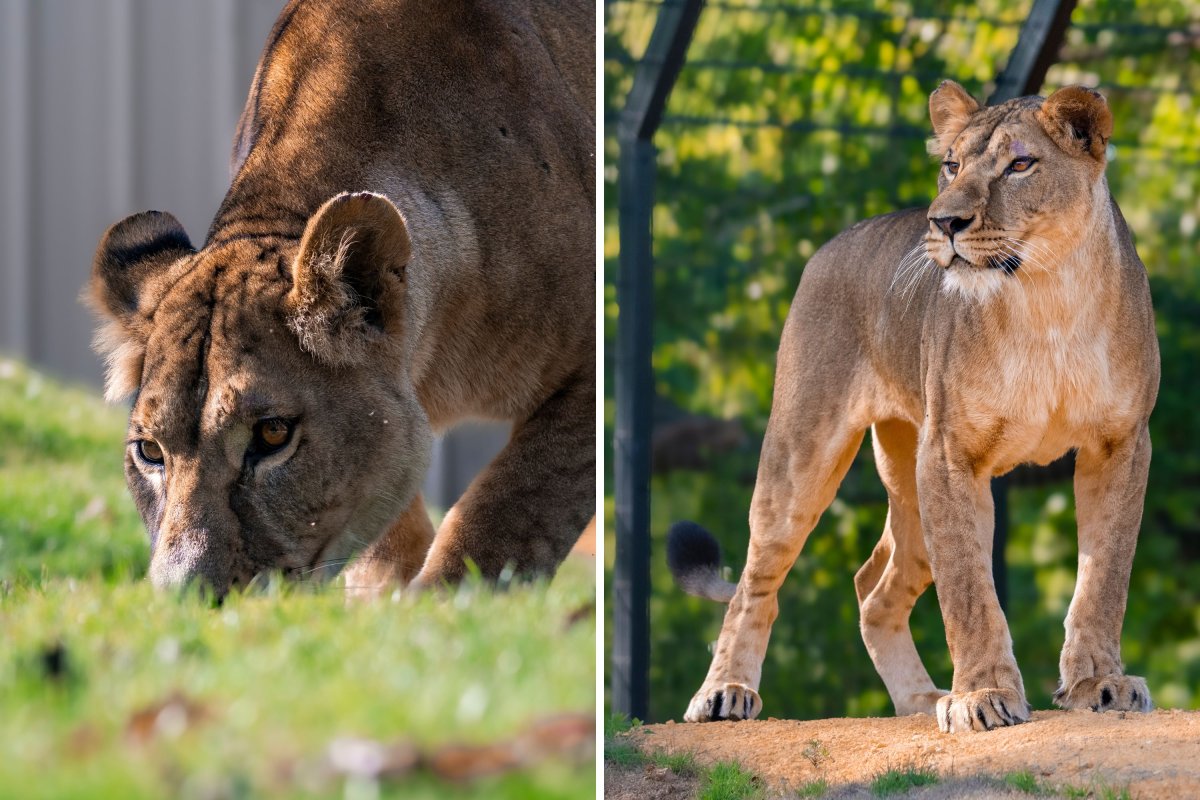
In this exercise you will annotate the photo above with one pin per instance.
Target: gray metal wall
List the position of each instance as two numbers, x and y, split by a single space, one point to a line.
108 107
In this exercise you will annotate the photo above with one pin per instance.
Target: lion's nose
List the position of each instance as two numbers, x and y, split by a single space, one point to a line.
952 225
192 555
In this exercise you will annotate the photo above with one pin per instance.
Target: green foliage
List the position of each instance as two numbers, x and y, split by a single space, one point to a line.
899 781
273 676
786 126
727 781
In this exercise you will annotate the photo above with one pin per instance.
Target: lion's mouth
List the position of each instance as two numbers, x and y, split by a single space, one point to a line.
1007 263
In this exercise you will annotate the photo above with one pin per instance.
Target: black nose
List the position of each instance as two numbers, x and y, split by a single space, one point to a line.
952 225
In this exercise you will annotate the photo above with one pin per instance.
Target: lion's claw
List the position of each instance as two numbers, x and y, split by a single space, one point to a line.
723 701
981 710
1110 693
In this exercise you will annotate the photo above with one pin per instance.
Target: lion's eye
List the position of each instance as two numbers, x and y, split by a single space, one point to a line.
270 435
1021 164
951 168
150 452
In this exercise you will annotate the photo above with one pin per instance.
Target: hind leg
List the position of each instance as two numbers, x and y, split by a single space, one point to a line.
896 574
798 476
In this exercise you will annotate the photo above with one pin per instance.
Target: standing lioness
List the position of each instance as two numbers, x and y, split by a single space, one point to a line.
408 241
1009 322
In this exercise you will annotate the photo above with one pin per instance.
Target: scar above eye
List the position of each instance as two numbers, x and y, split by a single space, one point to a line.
1019 149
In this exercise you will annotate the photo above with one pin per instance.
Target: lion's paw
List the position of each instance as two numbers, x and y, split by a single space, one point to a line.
981 710
1110 693
720 701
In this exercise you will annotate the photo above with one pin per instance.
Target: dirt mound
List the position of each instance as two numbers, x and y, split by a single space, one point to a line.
1154 755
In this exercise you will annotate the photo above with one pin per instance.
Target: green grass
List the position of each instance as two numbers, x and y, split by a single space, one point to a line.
1024 782
274 676
1094 791
814 788
618 749
729 782
898 781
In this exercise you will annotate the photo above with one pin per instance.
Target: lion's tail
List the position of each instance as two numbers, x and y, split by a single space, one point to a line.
695 561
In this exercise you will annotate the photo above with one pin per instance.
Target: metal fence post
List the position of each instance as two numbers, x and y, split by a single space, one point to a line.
652 83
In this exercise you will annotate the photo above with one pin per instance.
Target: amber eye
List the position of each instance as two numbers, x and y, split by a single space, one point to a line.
270 435
951 168
1021 164
150 452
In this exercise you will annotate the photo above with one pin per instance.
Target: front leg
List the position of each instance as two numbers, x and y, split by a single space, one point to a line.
1110 488
394 558
956 516
530 505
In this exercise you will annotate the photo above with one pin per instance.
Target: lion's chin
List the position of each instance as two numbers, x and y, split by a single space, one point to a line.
971 282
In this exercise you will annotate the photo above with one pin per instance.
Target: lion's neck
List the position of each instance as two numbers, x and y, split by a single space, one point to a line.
1064 284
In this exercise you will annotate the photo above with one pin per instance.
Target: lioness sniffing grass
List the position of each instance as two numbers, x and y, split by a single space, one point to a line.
1008 322
408 241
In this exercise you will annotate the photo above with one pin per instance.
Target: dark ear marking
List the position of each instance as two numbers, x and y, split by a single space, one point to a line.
131 250
129 253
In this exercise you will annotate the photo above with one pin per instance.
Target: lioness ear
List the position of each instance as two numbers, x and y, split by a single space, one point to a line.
129 253
1078 120
348 280
950 108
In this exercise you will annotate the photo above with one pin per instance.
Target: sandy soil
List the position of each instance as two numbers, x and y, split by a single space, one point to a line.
1154 755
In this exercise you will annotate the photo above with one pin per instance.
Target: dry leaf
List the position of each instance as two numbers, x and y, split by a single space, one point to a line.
466 762
366 758
170 718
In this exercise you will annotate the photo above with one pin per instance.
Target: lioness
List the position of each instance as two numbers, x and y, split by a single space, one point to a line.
408 241
1008 322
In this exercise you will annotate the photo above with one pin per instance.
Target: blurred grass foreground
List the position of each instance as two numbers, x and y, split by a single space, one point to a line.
109 689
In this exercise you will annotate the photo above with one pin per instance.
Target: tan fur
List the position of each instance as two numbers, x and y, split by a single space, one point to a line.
964 368
408 241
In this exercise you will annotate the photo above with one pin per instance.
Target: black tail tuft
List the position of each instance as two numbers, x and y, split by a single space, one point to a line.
694 557
691 547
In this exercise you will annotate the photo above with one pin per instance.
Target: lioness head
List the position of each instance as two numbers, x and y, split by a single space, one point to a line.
273 425
1018 180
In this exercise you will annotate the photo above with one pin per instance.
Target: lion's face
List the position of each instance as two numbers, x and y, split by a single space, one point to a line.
272 427
1018 181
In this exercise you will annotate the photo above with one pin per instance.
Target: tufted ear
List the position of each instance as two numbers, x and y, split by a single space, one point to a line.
950 109
1078 120
129 253
348 280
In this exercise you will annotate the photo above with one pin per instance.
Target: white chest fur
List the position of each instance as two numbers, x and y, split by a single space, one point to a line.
1051 378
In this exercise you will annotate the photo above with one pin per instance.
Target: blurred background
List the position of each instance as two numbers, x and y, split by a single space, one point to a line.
110 107
789 122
